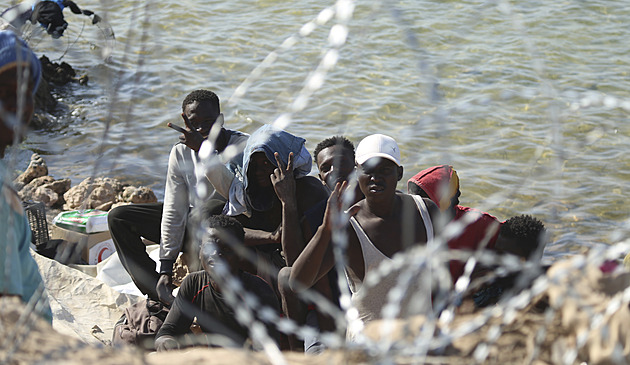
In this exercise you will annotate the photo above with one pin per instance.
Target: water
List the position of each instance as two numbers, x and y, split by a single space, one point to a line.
529 102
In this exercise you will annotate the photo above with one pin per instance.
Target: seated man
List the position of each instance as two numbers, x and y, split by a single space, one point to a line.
211 297
19 275
522 236
334 158
270 196
382 225
441 185
166 223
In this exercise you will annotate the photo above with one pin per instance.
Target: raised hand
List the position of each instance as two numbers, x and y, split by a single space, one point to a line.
335 204
190 136
283 180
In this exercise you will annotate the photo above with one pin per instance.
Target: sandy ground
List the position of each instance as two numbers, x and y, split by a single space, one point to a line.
580 315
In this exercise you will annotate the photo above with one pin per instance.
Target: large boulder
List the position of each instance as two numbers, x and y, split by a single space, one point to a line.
45 189
99 193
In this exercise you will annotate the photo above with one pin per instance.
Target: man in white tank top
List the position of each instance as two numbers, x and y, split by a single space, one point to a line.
383 224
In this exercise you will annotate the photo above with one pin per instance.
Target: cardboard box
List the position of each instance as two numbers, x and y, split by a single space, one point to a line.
94 247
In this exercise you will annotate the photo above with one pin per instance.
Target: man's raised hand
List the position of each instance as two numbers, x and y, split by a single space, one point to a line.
190 136
283 180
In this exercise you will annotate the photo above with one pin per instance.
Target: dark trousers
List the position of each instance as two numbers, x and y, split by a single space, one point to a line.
127 223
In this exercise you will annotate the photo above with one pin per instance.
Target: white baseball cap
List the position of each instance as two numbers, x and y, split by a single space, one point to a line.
378 145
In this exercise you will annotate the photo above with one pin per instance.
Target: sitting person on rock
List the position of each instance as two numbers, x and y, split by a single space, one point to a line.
441 185
20 73
270 195
522 236
210 295
383 229
334 157
167 223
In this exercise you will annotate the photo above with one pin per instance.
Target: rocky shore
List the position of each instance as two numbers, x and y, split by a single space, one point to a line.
102 193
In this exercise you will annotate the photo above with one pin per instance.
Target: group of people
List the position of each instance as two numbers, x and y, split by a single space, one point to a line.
291 223
257 231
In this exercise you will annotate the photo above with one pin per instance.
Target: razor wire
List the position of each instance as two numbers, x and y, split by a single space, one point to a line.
508 305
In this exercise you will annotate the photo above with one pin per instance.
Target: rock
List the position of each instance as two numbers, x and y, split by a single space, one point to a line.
137 195
45 195
95 194
59 186
26 193
36 168
56 73
105 206
45 189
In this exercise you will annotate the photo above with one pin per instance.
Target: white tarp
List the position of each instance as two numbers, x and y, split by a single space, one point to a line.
82 306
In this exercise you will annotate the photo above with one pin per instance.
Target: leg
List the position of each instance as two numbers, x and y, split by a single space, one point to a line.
293 308
127 224
193 235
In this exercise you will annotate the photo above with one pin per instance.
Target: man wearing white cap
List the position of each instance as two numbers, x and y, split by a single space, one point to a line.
386 222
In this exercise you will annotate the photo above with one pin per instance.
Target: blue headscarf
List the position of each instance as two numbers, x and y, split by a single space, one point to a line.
267 139
14 51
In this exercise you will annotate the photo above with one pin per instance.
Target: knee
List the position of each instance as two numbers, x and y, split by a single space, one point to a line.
116 214
284 285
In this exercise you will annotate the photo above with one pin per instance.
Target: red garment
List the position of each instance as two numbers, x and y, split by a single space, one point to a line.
472 236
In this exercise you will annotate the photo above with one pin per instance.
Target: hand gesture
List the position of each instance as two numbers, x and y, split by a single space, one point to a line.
190 136
334 206
283 180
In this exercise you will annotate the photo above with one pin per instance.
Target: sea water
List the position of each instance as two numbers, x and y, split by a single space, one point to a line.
529 101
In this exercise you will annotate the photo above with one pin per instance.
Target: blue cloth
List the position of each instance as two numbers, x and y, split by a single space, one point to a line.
267 139
19 274
13 49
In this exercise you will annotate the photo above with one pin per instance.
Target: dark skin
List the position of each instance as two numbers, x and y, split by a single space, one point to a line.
209 255
199 119
380 214
14 99
335 164
308 192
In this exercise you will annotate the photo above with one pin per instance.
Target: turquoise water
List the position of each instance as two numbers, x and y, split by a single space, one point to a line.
528 101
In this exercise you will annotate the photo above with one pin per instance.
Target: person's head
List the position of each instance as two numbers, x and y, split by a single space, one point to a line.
379 168
523 236
20 72
260 169
222 235
438 183
259 163
202 109
334 157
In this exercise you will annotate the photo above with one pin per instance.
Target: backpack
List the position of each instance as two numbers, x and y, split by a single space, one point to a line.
139 324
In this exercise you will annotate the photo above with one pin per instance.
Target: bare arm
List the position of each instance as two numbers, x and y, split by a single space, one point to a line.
283 182
254 237
317 259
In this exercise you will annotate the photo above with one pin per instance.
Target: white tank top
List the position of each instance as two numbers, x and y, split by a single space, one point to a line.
370 299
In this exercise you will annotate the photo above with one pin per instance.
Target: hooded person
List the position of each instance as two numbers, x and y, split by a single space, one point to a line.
270 195
20 73
441 185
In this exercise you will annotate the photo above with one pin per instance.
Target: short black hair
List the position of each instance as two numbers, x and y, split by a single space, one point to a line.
201 95
333 141
230 224
528 231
